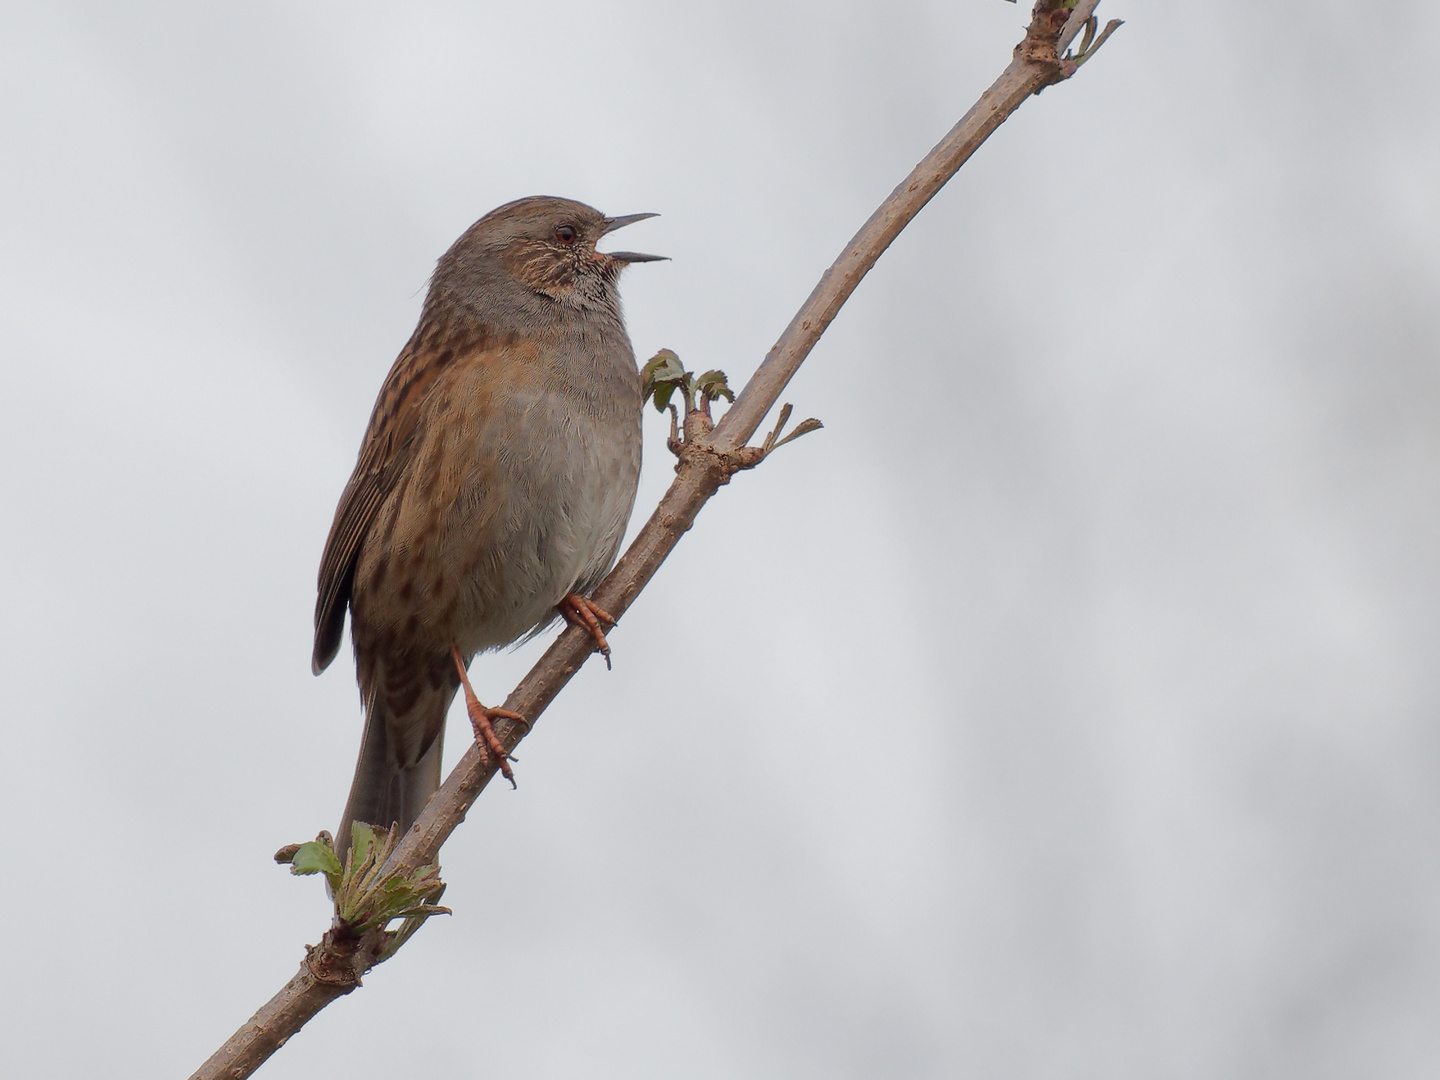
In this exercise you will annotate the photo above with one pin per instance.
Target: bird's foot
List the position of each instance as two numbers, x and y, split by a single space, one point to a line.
583 612
480 721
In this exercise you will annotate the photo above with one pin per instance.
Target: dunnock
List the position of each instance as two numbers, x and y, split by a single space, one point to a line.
493 487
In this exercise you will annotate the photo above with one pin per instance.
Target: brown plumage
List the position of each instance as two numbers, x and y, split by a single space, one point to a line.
494 482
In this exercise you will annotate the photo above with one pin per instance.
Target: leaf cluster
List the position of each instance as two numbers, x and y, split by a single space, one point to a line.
365 899
664 374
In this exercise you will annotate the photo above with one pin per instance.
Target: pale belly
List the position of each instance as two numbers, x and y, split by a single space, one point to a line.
511 502
546 521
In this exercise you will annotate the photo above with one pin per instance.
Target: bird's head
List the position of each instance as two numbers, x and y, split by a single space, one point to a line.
547 245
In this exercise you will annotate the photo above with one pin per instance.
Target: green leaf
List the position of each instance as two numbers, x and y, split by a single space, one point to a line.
424 911
362 839
664 367
712 386
316 857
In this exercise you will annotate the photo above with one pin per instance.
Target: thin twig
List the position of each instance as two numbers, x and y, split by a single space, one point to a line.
705 464
1082 14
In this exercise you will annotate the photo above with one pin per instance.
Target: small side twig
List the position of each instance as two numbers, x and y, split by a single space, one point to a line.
1090 44
664 375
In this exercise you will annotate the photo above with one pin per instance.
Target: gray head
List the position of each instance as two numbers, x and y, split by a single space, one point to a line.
536 252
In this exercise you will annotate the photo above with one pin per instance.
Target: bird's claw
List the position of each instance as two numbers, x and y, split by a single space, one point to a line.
481 721
581 611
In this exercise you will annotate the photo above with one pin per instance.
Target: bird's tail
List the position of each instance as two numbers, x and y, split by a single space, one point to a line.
385 791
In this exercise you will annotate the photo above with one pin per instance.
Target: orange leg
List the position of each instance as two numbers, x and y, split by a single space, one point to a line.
583 612
480 718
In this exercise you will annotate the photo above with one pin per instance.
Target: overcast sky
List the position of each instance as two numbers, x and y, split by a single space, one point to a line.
1066 708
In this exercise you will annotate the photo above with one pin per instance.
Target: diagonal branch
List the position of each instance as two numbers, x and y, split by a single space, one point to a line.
707 461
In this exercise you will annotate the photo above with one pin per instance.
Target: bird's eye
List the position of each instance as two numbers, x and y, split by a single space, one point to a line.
565 234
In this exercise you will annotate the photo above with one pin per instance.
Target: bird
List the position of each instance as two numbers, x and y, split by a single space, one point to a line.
493 486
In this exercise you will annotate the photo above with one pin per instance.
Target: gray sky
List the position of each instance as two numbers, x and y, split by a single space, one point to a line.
1067 708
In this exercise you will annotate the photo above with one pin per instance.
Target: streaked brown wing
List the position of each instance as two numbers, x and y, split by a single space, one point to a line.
385 452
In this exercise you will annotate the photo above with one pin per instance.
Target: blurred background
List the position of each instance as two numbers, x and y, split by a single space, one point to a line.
1066 708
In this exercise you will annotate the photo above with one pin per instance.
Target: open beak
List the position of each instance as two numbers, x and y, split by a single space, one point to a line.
611 224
